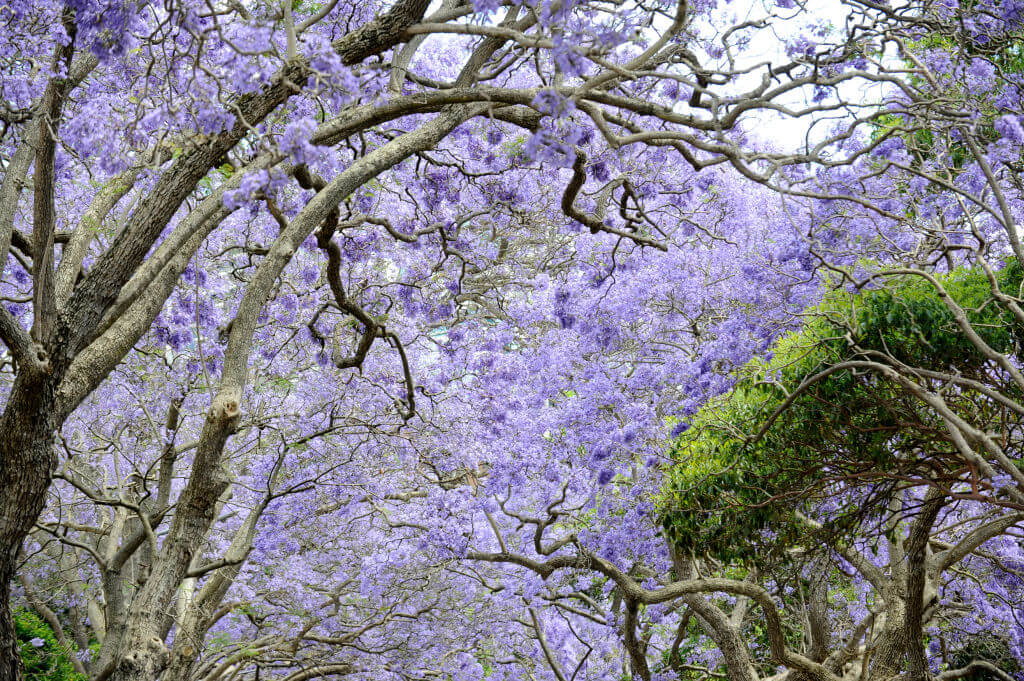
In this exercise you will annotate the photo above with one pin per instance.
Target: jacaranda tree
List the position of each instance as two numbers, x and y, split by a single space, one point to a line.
326 322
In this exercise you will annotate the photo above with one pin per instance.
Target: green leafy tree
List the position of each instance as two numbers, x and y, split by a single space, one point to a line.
828 412
45 659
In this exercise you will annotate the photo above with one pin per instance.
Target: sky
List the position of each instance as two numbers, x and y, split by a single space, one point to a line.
769 45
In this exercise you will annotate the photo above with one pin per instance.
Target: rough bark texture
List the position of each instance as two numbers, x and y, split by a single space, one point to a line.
202 613
917 578
143 653
900 648
26 465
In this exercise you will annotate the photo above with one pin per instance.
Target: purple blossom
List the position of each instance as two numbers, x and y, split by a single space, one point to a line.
1009 128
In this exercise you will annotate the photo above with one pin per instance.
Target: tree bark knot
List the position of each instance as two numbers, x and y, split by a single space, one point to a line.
39 359
226 407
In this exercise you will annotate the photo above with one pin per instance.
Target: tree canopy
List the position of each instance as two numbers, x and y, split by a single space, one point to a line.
512 340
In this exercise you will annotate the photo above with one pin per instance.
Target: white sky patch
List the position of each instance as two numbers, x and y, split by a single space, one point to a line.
768 46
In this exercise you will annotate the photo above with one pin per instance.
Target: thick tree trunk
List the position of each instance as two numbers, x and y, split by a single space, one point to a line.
10 660
900 652
917 582
142 655
201 614
26 466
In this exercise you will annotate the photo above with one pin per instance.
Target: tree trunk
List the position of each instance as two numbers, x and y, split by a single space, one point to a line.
10 659
26 466
142 654
917 579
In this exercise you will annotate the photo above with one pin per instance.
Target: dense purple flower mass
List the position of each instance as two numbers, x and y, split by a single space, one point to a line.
350 340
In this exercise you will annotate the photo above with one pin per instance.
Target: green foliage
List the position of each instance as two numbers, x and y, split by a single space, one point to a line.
514 148
985 647
45 659
911 322
733 495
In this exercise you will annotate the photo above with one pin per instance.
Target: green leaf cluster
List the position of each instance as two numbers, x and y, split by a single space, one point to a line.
47 662
734 496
